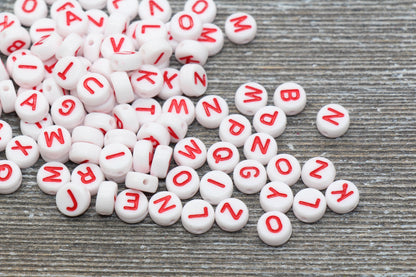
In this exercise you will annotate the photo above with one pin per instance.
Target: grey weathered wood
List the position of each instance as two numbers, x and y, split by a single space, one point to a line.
360 54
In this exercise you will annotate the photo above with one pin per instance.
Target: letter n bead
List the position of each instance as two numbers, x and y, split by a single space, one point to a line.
332 120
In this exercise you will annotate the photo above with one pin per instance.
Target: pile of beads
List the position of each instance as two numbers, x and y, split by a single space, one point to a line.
87 82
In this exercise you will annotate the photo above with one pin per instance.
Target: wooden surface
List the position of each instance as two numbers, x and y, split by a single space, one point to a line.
360 54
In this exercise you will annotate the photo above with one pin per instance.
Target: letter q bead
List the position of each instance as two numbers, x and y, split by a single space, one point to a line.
223 156
274 228
165 208
10 177
73 199
332 120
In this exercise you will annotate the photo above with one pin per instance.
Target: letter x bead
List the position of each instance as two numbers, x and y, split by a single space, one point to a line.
93 89
7 96
131 206
212 38
274 228
106 198
211 110
193 80
123 91
84 152
309 205
182 106
89 175
156 52
34 129
73 199
271 120
240 28
146 110
101 121
22 150
191 152
285 168
51 176
68 112
175 125
250 97
47 46
249 176
128 8
6 134
10 177
155 133
183 181
235 128
116 161
142 156
141 181
276 196
13 39
261 147
157 9
216 186
28 11
223 156
54 143
332 120
185 25
28 71
68 71
290 97
165 208
342 196
42 27
191 51
198 216
149 29
31 106
231 214
161 161
318 173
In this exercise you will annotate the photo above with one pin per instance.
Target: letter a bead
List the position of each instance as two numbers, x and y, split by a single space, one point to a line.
165 208
10 177
31 106
332 120
342 196
197 216
274 228
131 206
73 199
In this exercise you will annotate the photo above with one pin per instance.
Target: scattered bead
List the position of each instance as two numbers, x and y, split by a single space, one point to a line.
223 156
274 228
231 214
22 150
52 176
235 128
240 28
332 120
89 175
131 206
284 168
276 196
318 173
249 176
290 97
183 181
191 152
141 181
165 208
73 199
342 196
106 198
215 186
197 216
11 179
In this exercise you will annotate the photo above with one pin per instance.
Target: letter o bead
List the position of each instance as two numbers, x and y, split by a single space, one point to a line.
285 168
183 181
274 228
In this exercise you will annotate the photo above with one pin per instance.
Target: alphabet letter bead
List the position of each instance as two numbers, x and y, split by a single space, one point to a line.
191 51
171 85
115 161
127 7
123 91
89 175
215 186
318 173
211 110
34 129
206 10
183 181
6 134
175 125
309 205
190 152
332 120
154 132
101 121
31 106
149 29
51 176
197 216
165 208
342 196
71 21
285 168
261 147
147 82
54 143
93 89
276 196
231 214
84 152
142 156
193 80
28 11
156 52
10 177
182 106
123 136
161 161
126 61
42 27
141 181
250 97
249 176
158 9
106 198
147 110
88 134
274 228
185 25
7 96
73 199
117 43
68 71
290 97
240 28
212 38
68 112
223 156
235 128
131 206
22 150
13 39
270 120
28 71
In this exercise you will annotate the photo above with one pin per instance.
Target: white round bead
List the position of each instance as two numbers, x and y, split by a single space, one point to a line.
198 216
261 147
182 106
309 205
28 11
6 134
223 156
342 196
34 129
250 97
161 161
285 168
149 29
175 124
51 176
47 46
101 121
193 80
171 85
13 57
141 181
212 38
158 9
7 96
191 51
332 120
190 152
156 52
211 110
13 39
88 134
249 176
116 43
146 110
70 46
54 142
91 48
106 198
42 27
68 112
235 128
8 20
84 152
183 181
240 28
93 89
318 173
216 186
60 6
97 20
274 228
276 196
10 178
71 21
231 215
68 71
31 106
147 82
115 161
185 25
126 118
4 75
131 206
28 71
142 156
51 90
123 136
290 97
206 10
73 199
156 133
95 4
127 7
126 61
89 175
123 91
22 150
49 65
165 208
106 107
270 120
116 23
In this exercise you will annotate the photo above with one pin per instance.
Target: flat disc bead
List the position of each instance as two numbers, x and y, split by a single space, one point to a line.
216 186
89 175
276 196
261 147
249 176
165 208
290 97
123 136
206 10
29 11
212 38
147 82
161 161
250 97
231 214
6 134
93 89
28 71
318 173
223 156
171 85
193 80
146 110
34 129
51 176
7 96
88 134
106 197
73 199
154 132
54 142
10 177
175 124
274 228
31 106
185 25
141 181
13 39
211 110
182 106
309 205
198 216
342 196
131 206
191 152
235 128
332 120
126 117
271 120
22 150
183 181
240 28
68 111
83 152
68 71
191 51
115 160
142 156
285 168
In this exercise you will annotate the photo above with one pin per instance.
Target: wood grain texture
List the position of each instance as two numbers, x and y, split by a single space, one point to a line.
360 54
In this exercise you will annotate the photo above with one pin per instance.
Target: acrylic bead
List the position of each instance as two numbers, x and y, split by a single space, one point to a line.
171 85
7 96
250 97
97 20
332 120
155 52
149 29
115 161
261 147
88 134
131 206
128 8
89 175
276 196
6 134
126 61
190 152
175 124
68 112
68 71
274 228
182 106
165 208
212 38
154 132
231 214
142 156
34 129
185 25
13 39
147 82
28 71
198 216
157 9
216 186
31 106
193 80
71 21
235 128
146 110
141 181
51 176
116 43
223 156
285 168
101 121
309 205
28 11
61 6
249 176
51 90
54 143
123 91
270 120
73 199
22 150
93 89
318 173
123 136
84 152
240 28
161 161
126 118
8 20
342 196
191 51
206 10
290 97
91 47
47 46
42 27
183 181
11 179
106 198
116 23
211 110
